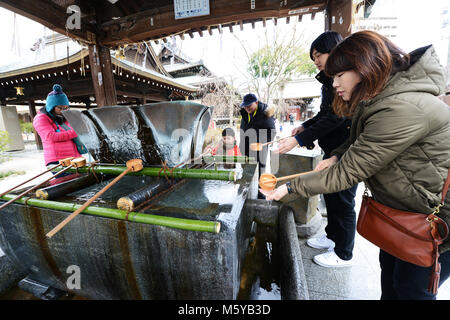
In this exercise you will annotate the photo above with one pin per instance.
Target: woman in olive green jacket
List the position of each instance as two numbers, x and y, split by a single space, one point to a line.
399 143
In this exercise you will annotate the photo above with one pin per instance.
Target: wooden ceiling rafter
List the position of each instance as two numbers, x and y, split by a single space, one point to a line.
136 27
49 14
135 21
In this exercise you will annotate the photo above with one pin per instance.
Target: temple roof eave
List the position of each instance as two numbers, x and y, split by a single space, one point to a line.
81 54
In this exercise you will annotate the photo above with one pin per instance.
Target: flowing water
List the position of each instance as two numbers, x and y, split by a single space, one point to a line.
171 132
260 276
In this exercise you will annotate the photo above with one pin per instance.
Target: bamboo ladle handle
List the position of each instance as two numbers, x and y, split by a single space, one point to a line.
40 174
132 165
257 146
65 162
268 181
61 163
293 176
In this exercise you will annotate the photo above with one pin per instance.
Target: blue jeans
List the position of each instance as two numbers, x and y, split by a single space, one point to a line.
402 280
51 164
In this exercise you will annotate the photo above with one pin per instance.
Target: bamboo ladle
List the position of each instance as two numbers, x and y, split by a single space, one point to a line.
132 165
67 162
258 146
268 181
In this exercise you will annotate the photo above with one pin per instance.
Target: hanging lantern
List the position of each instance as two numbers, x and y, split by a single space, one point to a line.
120 53
19 91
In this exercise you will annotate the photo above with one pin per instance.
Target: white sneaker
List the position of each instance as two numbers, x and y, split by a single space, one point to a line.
321 242
330 259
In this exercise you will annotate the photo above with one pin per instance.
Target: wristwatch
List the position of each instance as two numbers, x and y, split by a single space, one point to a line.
288 186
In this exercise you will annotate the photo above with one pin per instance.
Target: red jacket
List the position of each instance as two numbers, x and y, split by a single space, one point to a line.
57 145
230 152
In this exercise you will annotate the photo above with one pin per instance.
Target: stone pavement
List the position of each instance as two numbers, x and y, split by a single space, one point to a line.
360 281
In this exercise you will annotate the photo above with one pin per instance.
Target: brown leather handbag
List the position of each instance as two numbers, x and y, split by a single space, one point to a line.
409 236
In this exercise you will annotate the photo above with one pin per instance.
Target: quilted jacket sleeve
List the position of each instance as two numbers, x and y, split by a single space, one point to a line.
46 130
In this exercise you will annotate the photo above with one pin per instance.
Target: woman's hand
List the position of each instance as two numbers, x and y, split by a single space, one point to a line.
326 163
297 130
286 145
276 194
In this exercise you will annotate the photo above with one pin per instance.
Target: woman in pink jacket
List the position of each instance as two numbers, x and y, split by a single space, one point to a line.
56 133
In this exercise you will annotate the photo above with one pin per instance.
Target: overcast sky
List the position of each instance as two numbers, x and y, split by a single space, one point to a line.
419 23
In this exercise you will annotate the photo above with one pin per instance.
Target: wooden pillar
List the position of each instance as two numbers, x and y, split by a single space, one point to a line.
32 110
338 16
102 75
108 76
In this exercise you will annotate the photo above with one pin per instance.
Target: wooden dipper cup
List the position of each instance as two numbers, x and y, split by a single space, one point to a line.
67 162
132 165
268 181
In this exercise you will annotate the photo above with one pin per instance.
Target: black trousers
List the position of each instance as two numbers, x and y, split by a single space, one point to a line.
341 218
401 280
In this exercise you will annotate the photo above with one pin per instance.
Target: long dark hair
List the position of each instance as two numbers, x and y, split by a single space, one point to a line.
374 57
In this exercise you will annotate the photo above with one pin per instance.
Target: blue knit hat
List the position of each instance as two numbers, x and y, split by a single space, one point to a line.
56 98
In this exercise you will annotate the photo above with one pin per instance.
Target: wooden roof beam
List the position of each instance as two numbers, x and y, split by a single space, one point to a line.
338 16
135 28
48 14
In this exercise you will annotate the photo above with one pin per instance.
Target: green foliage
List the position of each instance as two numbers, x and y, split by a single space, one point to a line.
281 60
304 65
26 127
10 173
4 142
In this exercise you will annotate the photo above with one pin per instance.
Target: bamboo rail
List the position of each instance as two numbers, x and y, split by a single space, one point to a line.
177 173
229 159
171 222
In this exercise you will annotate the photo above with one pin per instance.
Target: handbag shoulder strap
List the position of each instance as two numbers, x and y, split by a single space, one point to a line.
445 188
